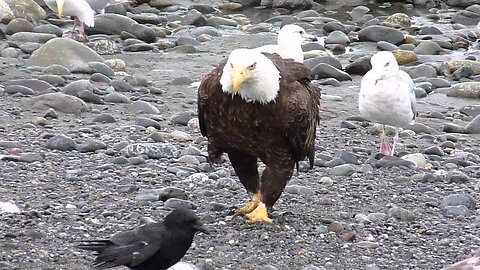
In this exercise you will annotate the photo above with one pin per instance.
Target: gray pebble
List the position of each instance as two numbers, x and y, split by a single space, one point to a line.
401 214
176 203
343 170
456 211
18 89
61 143
147 122
300 190
434 150
172 192
148 195
105 118
459 199
359 67
116 97
91 145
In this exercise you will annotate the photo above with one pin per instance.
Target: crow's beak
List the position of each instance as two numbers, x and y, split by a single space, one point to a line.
200 227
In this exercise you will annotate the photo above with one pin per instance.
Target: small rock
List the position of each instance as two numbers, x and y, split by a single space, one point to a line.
473 127
434 150
151 150
367 244
377 33
176 203
61 143
343 170
300 190
172 192
459 199
148 195
91 145
401 214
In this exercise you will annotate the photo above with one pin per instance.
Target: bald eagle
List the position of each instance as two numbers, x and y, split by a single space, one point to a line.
259 106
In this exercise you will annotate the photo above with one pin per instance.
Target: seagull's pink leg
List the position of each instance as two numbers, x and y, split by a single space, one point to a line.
395 140
76 23
82 30
385 145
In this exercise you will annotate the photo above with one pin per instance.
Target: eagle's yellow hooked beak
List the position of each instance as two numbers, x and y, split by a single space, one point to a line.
60 9
239 76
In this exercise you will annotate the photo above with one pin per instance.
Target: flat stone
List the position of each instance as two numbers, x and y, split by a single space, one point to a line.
459 199
91 145
59 102
64 52
377 33
141 106
401 214
151 150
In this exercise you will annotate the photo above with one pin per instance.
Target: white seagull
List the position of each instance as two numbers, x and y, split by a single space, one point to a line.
83 11
99 5
387 97
289 43
79 9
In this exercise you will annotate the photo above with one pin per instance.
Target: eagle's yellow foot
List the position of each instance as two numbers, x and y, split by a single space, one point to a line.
249 207
259 214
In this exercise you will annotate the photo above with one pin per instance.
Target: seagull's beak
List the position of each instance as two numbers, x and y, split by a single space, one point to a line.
239 76
60 8
309 37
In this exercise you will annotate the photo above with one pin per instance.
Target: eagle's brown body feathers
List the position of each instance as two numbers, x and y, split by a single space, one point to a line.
280 133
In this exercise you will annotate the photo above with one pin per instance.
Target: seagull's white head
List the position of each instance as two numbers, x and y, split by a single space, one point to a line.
293 34
251 75
60 4
384 62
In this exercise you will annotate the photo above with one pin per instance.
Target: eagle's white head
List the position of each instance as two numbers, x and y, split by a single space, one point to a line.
251 75
384 62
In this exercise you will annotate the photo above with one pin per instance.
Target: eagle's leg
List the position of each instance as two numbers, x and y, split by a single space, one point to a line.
273 182
250 206
245 166
260 214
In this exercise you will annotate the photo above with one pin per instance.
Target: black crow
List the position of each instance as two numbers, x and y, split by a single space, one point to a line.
153 246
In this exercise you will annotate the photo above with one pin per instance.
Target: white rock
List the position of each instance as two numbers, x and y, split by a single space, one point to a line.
8 207
193 123
180 136
418 159
197 177
183 266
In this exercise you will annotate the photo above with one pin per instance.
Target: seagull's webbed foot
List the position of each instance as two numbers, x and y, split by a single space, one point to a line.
250 206
260 214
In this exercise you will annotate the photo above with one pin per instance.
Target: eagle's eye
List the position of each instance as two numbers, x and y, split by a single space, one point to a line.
231 65
302 32
252 66
387 64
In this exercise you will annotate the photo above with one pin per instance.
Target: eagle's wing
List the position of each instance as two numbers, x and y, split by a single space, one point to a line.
209 85
302 102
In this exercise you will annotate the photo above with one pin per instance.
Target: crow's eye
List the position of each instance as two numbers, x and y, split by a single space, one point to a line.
252 66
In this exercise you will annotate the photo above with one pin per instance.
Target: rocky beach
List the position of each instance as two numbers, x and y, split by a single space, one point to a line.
100 134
